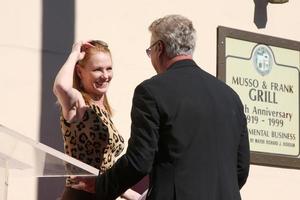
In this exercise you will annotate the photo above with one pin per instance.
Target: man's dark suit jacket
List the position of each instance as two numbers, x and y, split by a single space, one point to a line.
189 133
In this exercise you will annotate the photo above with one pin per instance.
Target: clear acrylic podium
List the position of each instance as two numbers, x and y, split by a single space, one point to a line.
21 156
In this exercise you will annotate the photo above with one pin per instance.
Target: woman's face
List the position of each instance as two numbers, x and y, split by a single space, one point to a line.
96 74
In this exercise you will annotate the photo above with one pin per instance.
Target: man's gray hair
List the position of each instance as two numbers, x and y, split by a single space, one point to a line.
176 32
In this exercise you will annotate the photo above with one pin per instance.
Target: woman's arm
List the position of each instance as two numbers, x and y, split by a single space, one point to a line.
69 98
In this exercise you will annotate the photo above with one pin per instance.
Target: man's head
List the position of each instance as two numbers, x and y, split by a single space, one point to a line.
176 32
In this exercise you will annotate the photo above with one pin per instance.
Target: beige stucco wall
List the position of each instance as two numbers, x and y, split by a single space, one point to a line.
20 23
123 24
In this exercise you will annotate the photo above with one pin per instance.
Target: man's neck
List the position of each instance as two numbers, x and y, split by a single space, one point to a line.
171 61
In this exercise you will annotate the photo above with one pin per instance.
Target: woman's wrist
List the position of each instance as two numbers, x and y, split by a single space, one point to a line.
74 57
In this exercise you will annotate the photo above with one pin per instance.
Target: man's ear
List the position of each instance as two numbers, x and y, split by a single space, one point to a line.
160 47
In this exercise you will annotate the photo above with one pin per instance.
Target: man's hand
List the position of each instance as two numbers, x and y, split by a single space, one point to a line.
84 183
130 195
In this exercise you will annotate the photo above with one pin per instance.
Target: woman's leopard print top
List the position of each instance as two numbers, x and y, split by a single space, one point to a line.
93 140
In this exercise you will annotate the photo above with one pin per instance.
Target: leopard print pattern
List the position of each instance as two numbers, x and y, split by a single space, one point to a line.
93 140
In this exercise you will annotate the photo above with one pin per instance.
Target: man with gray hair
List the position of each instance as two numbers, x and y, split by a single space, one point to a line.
188 131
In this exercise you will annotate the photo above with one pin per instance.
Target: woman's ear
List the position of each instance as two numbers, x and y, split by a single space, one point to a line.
78 70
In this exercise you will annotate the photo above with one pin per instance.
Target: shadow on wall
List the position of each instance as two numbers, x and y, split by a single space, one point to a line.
57 39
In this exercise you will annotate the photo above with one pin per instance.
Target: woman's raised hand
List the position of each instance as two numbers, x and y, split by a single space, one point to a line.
80 47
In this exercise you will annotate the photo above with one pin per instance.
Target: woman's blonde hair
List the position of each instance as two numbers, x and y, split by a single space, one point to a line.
98 46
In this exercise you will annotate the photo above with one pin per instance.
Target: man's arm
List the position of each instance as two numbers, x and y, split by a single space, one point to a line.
142 146
243 151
